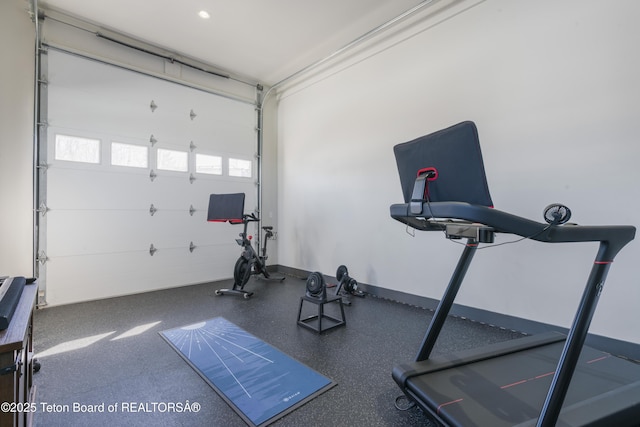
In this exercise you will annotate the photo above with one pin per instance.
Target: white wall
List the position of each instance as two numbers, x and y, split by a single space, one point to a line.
553 88
17 34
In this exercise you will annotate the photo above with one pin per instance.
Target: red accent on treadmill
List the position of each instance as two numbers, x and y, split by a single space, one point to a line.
429 169
433 177
606 356
448 403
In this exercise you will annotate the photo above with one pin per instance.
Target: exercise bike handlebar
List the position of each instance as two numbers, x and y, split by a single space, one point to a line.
250 217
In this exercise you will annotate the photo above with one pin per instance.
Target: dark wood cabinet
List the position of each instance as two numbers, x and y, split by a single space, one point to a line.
17 393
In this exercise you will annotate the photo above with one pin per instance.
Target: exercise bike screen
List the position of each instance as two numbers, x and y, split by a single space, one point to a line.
226 207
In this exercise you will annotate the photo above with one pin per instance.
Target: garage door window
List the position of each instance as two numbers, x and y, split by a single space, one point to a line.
211 165
172 160
135 156
77 149
239 167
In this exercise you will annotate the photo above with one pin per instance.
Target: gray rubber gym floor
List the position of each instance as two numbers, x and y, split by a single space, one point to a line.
110 351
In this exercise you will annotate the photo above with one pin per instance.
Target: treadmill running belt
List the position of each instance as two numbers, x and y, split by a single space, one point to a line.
511 389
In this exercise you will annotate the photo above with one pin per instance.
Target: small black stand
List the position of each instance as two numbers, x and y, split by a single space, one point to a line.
310 322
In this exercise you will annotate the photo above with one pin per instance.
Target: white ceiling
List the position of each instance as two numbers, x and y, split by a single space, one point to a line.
264 40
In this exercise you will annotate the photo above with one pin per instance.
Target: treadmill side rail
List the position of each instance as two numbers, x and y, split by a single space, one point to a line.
402 373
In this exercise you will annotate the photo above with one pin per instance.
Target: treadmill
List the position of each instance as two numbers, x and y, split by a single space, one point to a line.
541 380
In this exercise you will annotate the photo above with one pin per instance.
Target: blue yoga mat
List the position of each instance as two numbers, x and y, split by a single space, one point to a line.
259 382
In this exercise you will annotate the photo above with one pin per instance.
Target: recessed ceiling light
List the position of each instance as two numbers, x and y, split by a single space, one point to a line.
204 14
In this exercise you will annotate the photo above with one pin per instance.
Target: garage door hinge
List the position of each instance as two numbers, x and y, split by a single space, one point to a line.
192 115
191 210
42 257
191 247
42 209
192 178
152 140
152 250
152 209
152 175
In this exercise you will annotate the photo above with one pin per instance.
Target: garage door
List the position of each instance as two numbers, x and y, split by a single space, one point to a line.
131 161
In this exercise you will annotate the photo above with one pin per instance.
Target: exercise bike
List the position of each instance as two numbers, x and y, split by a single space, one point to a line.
229 207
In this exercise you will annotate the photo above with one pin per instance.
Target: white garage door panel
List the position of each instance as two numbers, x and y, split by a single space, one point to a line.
98 227
79 189
109 100
208 122
81 233
101 118
182 194
75 233
96 276
138 125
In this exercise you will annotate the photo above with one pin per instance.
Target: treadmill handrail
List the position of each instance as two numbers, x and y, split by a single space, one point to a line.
616 236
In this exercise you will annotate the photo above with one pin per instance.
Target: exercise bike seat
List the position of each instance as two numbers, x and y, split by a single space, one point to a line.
267 228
